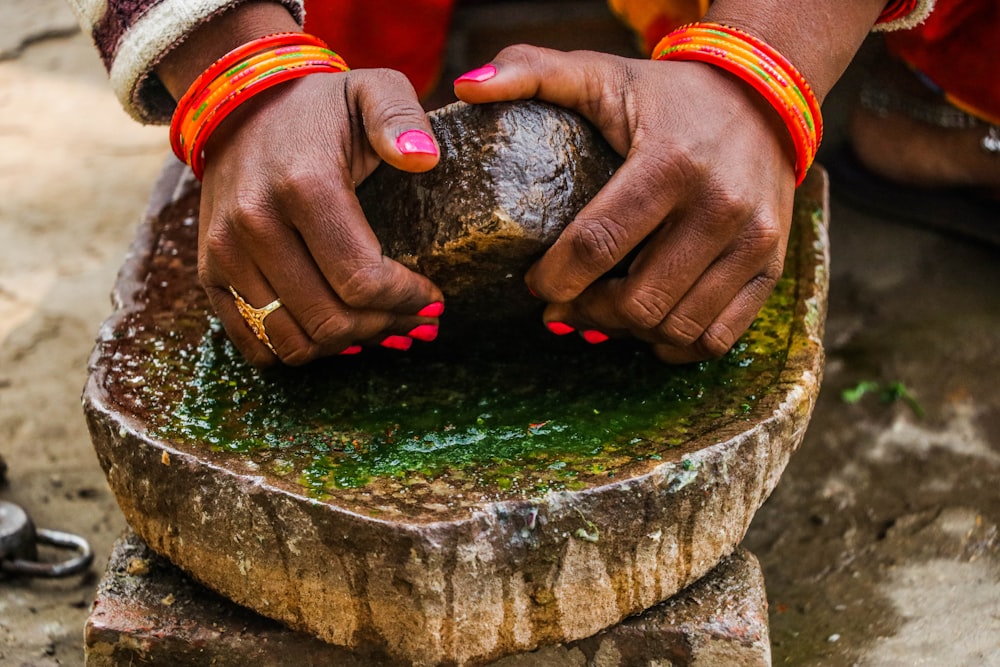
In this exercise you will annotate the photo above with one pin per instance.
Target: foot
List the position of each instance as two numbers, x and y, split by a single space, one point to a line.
912 152
915 152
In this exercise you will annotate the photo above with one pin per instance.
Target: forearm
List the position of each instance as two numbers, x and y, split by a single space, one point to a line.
215 38
819 37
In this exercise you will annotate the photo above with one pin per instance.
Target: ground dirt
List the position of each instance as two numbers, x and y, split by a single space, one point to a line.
880 545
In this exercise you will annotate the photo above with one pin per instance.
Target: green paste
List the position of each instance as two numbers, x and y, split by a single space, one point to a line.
488 415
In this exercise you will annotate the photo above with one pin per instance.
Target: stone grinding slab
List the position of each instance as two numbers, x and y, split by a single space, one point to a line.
148 612
475 498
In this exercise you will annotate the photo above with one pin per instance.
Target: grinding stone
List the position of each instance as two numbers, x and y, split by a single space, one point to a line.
258 486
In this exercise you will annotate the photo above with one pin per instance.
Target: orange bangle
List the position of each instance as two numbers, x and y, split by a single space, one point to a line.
223 85
236 77
223 64
258 84
764 69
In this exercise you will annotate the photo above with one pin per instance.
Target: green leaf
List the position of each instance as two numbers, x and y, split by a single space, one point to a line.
854 395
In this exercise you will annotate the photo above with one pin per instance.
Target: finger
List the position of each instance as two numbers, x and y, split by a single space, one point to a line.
677 354
349 256
741 279
220 268
229 272
326 324
658 279
588 316
719 337
628 208
258 346
288 341
569 79
329 324
394 121
612 305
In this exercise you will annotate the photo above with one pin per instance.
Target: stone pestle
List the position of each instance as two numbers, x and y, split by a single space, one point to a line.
511 177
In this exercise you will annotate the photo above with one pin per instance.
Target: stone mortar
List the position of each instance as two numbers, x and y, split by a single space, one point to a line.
439 581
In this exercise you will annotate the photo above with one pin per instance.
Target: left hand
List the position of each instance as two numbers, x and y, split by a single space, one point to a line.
706 189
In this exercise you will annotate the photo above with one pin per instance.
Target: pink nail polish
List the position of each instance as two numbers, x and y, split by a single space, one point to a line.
353 349
435 309
478 75
559 328
413 142
397 342
424 332
593 336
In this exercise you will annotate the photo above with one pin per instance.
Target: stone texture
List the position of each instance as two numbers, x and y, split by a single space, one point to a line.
436 569
511 177
149 612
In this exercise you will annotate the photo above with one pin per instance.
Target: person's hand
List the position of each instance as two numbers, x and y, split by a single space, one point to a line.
280 219
704 198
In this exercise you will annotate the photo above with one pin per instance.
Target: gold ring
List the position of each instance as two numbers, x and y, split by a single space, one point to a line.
254 317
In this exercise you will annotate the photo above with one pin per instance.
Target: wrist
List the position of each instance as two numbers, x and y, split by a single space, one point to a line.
763 68
819 37
179 68
239 75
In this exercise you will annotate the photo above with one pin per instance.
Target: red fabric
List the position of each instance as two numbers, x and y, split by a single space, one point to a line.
658 27
958 48
407 36
897 10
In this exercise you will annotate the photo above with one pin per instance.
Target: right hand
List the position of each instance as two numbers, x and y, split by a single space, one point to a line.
280 219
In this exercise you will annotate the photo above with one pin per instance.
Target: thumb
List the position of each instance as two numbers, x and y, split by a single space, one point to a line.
568 79
395 124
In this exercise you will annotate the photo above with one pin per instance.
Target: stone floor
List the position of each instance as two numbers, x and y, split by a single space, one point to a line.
879 547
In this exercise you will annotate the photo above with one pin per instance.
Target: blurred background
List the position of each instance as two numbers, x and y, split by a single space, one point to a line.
880 545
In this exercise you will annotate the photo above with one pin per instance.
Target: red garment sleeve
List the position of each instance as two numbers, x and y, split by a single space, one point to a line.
406 36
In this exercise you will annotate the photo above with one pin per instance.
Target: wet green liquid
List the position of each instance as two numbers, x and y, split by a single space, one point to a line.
484 416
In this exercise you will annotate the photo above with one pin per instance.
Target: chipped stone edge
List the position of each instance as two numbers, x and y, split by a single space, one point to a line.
546 579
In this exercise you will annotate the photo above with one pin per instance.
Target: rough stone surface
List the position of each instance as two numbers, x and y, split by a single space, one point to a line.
511 177
148 612
432 574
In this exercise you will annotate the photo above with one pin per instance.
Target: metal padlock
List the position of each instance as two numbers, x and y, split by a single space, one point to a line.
19 540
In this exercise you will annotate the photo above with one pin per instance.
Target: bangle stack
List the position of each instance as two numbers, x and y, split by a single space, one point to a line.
762 67
236 77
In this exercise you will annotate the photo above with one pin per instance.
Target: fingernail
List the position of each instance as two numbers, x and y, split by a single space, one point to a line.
397 342
559 328
424 332
435 309
593 336
478 75
353 349
416 142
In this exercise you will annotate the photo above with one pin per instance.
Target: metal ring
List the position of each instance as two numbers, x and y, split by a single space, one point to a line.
64 568
254 317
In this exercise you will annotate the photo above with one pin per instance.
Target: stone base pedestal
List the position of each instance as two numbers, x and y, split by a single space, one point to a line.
148 612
